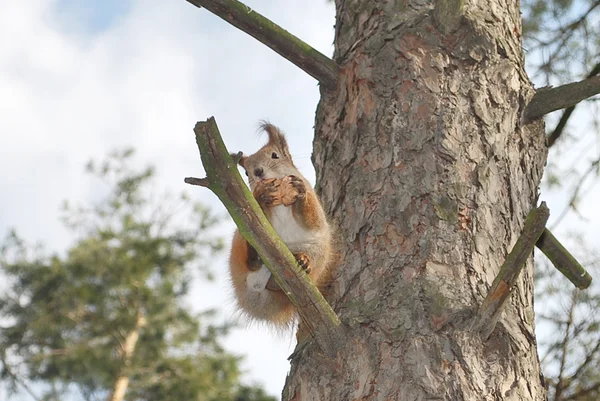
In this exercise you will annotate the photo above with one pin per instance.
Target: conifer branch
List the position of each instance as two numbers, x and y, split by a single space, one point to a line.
224 180
311 61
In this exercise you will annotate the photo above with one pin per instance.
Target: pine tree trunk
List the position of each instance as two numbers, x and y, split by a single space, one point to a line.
424 166
126 353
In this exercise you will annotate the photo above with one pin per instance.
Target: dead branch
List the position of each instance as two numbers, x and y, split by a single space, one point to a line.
201 182
311 61
562 123
224 180
563 260
547 100
491 307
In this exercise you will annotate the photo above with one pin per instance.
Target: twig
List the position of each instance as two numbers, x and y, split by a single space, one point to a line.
563 260
314 63
579 395
7 370
547 100
564 348
575 196
225 181
567 113
590 356
491 307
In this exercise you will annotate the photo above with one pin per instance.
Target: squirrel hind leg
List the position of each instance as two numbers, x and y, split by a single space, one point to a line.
261 304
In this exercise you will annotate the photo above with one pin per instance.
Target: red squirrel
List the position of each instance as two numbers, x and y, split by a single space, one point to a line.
293 208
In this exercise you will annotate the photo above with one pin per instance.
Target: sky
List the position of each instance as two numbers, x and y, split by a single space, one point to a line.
79 79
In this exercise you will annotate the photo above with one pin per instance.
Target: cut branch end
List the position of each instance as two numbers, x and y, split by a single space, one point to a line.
562 259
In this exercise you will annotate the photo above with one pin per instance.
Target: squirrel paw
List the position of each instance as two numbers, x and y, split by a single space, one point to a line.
268 192
304 261
293 189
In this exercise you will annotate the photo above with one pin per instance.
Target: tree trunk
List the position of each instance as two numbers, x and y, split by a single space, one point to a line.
424 166
126 354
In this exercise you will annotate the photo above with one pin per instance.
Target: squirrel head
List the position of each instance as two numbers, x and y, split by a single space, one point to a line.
273 160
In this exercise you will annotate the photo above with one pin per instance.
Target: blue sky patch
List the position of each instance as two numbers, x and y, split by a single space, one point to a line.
92 16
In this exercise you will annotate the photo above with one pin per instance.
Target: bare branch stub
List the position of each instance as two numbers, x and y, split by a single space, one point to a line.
201 182
491 307
563 260
314 63
227 184
547 100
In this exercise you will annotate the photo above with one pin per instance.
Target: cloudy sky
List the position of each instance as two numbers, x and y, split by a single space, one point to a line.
80 78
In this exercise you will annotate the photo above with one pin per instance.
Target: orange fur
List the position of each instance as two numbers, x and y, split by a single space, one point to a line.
292 206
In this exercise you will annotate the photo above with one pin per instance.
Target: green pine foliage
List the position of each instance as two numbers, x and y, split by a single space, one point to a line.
66 321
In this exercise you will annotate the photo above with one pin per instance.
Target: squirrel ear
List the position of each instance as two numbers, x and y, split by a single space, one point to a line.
238 158
276 137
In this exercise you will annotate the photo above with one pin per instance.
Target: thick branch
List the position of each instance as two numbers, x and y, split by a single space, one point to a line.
562 123
547 100
563 260
491 308
314 63
225 181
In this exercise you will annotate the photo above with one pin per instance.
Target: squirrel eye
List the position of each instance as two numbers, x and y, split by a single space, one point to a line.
246 173
274 155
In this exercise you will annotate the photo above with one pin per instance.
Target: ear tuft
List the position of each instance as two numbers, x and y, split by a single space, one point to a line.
276 137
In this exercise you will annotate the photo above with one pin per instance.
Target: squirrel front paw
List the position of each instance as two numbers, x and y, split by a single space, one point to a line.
293 189
268 192
304 261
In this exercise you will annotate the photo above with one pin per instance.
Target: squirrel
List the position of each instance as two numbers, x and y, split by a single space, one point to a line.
293 208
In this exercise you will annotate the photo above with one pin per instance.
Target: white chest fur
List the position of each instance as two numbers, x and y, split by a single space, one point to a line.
287 227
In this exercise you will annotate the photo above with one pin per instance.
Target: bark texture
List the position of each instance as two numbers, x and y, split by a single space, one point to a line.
423 165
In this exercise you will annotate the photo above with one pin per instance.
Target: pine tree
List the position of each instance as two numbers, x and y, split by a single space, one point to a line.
109 318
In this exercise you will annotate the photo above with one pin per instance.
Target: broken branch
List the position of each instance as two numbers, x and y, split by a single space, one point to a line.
547 100
491 307
311 61
223 178
201 182
563 260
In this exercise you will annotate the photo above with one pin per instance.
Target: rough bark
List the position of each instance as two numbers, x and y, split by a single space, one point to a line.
423 165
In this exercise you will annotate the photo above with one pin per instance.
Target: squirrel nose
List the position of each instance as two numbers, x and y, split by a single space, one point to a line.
258 172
